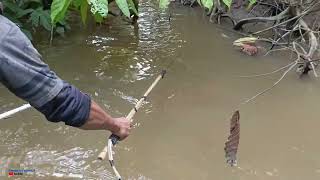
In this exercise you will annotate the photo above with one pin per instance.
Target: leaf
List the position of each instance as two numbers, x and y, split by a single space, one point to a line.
207 3
45 20
24 12
99 7
84 11
77 3
98 18
123 6
35 18
251 3
58 10
12 6
133 7
41 17
231 146
163 4
227 3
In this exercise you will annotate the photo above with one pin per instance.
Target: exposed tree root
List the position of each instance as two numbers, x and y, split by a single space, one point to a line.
313 43
218 12
278 17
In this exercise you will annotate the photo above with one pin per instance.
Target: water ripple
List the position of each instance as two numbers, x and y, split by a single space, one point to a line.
137 52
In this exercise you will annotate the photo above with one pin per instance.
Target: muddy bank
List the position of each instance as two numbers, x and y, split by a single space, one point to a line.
285 25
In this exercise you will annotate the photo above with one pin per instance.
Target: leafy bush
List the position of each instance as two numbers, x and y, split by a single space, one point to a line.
98 8
31 15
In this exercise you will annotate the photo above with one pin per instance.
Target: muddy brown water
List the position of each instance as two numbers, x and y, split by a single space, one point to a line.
181 130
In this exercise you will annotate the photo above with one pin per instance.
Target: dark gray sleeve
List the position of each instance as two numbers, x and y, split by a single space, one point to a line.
70 106
21 68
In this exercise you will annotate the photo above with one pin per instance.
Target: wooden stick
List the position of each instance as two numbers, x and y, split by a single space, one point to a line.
133 111
14 111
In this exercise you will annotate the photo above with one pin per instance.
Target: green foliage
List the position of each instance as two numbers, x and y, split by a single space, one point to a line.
82 6
251 3
227 3
40 17
58 10
133 7
14 12
98 18
207 4
163 4
84 11
124 7
99 7
30 15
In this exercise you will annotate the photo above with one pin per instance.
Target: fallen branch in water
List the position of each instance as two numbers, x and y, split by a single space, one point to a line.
275 84
269 73
278 17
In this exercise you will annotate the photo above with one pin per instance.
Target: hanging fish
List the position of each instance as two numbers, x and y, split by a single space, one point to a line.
231 146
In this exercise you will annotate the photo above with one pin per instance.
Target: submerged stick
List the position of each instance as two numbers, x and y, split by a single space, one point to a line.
14 111
274 84
113 139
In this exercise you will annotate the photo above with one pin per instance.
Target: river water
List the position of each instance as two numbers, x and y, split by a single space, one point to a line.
181 130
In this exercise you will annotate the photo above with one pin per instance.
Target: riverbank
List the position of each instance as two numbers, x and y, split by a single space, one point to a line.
287 26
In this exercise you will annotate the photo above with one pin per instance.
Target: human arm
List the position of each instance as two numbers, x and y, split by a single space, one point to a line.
99 119
77 109
24 74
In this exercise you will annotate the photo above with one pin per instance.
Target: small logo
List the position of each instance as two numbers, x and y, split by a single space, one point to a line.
20 172
11 173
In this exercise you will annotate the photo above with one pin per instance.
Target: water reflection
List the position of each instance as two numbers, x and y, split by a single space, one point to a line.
137 52
182 128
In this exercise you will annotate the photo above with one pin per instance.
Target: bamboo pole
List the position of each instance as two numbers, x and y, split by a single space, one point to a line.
14 111
113 139
133 111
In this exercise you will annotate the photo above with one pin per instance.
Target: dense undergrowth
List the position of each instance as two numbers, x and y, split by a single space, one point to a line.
52 15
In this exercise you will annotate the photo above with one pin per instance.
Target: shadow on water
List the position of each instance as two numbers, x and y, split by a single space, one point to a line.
181 130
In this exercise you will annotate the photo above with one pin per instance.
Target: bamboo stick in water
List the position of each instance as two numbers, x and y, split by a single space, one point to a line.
14 111
133 111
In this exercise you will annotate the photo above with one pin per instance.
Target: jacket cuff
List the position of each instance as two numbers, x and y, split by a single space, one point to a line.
70 106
